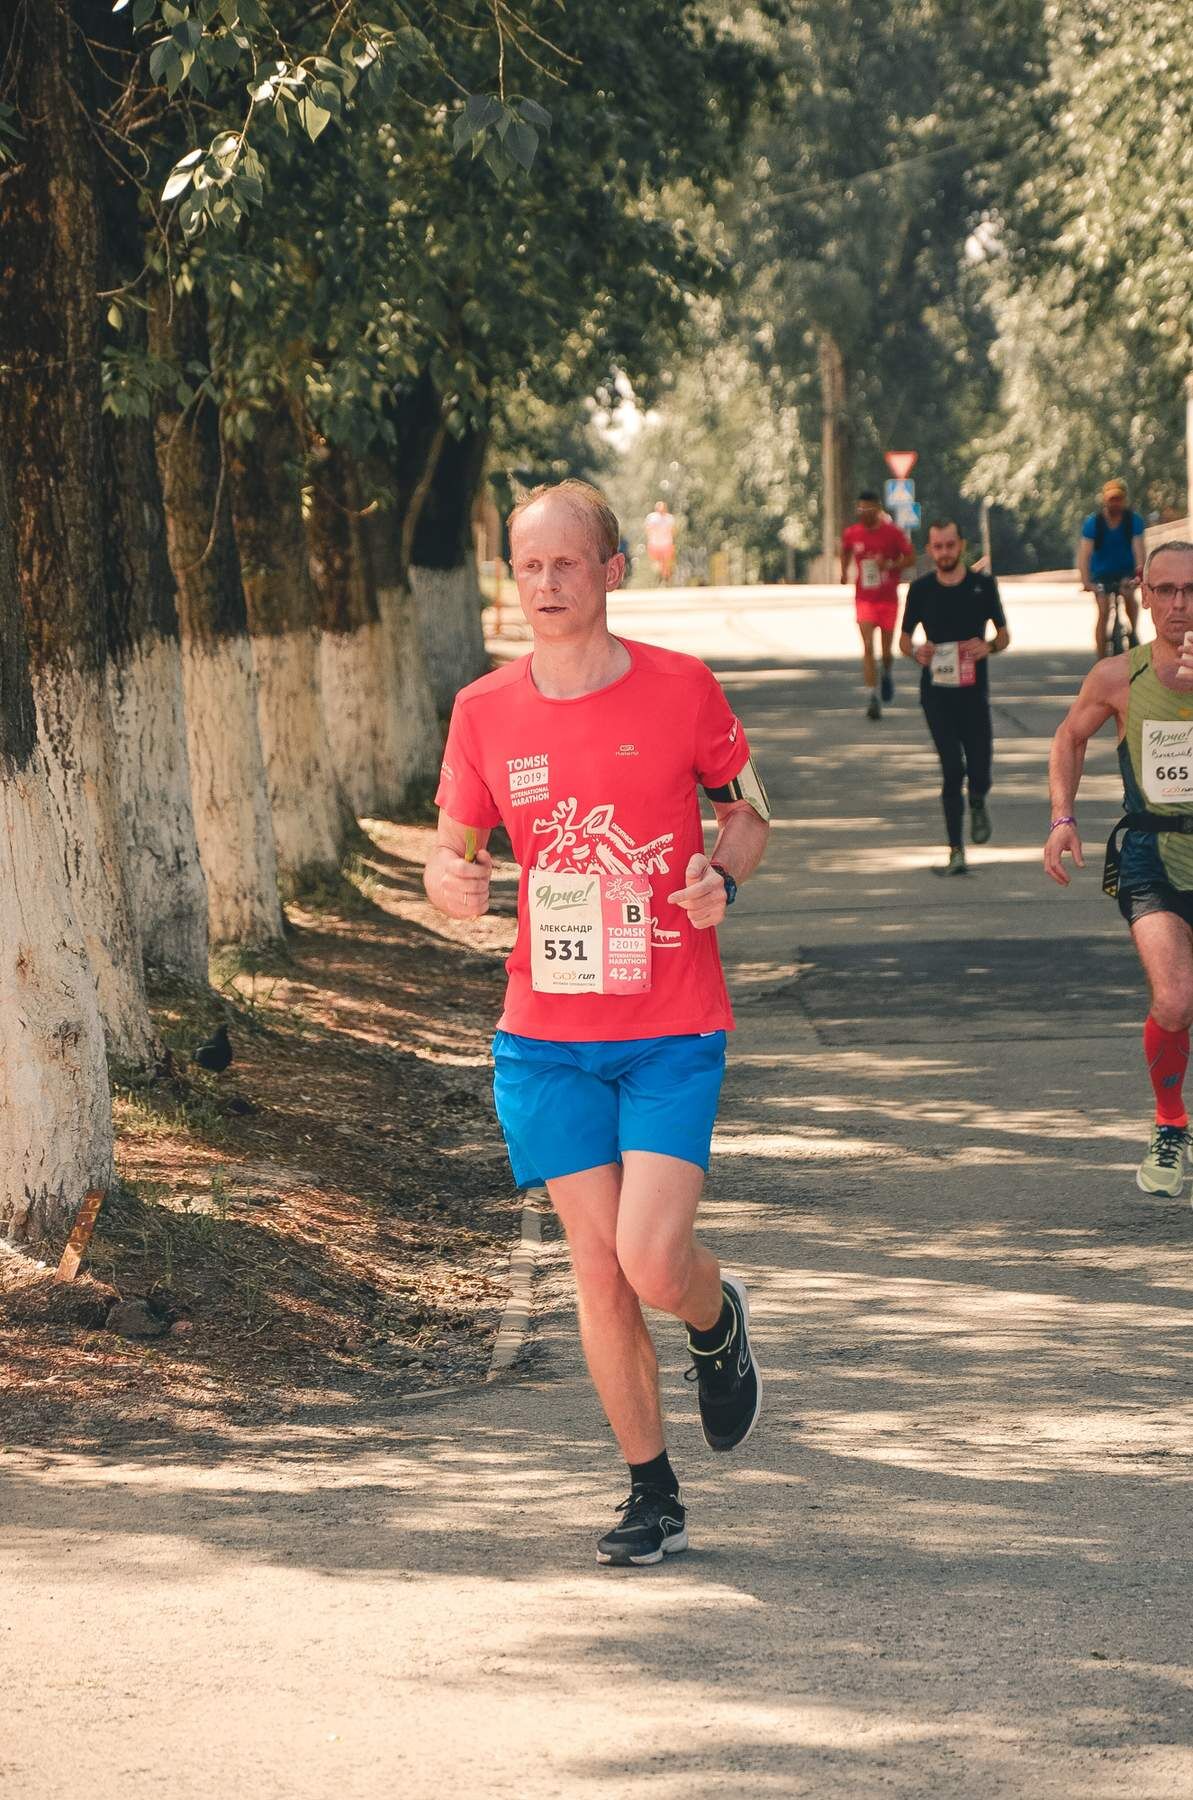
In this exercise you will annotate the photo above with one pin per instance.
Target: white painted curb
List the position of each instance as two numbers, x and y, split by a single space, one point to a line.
515 1320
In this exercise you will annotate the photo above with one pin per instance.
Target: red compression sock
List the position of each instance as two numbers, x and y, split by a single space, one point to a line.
1167 1055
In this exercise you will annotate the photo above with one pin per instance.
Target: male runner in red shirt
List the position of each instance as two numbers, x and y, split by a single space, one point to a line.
610 1051
881 552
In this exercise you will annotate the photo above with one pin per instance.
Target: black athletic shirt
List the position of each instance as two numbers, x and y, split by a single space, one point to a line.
949 615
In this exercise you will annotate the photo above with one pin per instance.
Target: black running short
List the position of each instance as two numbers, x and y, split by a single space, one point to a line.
1155 897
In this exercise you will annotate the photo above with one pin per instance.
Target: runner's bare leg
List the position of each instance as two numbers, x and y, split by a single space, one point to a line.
1165 946
665 1263
617 1346
630 1236
869 672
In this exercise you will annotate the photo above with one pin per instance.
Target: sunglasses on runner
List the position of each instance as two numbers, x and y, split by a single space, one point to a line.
1168 590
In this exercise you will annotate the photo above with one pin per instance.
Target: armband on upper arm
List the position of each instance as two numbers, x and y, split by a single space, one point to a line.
747 786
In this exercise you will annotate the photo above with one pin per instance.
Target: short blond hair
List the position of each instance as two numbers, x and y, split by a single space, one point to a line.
587 503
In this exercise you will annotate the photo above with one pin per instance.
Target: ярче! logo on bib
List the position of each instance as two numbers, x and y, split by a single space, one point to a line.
529 779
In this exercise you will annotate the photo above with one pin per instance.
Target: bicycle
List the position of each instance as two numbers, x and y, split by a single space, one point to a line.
1118 634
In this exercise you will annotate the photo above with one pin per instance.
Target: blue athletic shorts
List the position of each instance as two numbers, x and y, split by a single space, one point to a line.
567 1107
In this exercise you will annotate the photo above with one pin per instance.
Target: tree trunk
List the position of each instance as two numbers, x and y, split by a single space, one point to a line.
144 678
351 665
310 816
56 1119
443 571
228 782
50 407
412 743
833 456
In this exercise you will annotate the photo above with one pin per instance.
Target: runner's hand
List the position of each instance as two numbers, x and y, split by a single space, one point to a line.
923 654
1184 668
465 885
1065 840
976 647
703 898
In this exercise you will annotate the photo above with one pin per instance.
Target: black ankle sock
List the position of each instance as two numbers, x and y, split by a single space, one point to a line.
657 1473
717 1335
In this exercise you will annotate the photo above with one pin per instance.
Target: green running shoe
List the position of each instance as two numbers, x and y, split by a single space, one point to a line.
955 866
873 709
980 828
1162 1170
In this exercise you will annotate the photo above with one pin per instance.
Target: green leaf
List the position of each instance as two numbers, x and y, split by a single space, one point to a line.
187 34
226 51
115 315
481 111
143 11
521 141
180 176
533 113
312 117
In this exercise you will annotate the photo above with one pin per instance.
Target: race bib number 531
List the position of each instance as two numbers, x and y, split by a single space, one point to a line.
1167 759
589 934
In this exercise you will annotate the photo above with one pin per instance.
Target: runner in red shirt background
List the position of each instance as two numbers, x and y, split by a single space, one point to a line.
609 1054
881 552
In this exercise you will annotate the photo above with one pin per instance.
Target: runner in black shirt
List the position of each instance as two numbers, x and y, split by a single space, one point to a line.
954 605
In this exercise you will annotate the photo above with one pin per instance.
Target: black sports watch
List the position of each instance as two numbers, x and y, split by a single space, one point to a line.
730 884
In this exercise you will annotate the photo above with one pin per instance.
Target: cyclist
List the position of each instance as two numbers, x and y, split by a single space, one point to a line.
1110 559
1147 693
608 1061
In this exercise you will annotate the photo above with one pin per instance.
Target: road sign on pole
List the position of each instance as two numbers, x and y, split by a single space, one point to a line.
907 517
901 462
898 493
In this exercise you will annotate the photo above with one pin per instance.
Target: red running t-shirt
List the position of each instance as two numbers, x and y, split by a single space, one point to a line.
603 784
868 543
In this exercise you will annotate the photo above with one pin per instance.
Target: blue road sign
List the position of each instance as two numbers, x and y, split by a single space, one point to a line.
908 516
898 493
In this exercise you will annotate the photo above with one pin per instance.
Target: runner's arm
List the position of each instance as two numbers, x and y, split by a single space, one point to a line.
455 884
1085 550
1139 552
1103 696
741 838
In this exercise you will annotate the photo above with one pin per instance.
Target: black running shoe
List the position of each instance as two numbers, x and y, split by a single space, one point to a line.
873 708
728 1382
980 828
653 1525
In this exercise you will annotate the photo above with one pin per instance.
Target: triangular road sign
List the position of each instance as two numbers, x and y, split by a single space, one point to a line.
901 462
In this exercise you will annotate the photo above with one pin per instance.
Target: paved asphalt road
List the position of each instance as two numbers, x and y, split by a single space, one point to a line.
953 1559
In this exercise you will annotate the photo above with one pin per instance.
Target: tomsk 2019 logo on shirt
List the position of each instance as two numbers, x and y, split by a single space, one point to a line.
530 779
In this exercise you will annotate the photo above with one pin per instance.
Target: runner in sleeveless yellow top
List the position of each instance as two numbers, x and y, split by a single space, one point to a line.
1149 859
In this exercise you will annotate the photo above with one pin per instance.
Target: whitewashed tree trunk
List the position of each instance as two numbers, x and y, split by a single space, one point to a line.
412 742
355 698
50 401
443 568
168 888
77 738
55 1109
229 792
448 602
310 813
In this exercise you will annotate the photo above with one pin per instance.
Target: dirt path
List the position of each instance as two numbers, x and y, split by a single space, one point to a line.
952 1561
